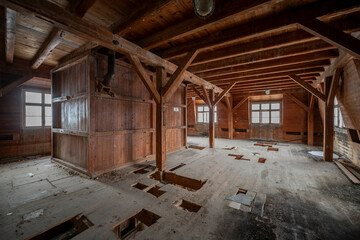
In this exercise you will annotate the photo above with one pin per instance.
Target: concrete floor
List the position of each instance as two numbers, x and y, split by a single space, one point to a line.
297 196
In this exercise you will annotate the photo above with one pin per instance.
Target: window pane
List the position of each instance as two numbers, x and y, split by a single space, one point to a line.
255 116
275 116
206 117
206 108
265 106
341 121
255 106
336 121
33 116
200 117
215 116
335 101
275 120
33 121
275 106
48 118
200 108
33 111
336 110
215 109
265 117
32 97
48 98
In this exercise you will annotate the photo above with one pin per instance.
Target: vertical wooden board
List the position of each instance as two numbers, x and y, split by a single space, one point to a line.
104 152
141 115
104 114
82 114
294 117
122 152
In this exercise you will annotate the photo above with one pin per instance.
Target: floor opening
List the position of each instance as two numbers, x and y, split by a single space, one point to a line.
141 170
177 167
156 191
128 228
188 206
273 149
140 186
178 180
65 230
240 190
235 155
262 160
196 147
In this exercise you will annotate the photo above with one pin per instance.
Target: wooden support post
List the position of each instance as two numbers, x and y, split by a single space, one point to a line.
185 115
328 124
311 121
211 121
160 123
230 117
334 86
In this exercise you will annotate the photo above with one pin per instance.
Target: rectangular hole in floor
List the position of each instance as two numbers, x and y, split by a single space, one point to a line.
141 170
65 230
235 155
241 190
273 149
140 186
241 158
262 160
177 167
188 206
196 147
128 228
156 191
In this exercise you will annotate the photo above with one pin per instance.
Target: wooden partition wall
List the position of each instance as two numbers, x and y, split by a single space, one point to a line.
94 132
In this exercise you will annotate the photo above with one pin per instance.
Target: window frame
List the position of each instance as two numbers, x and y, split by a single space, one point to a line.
42 105
197 114
339 116
265 110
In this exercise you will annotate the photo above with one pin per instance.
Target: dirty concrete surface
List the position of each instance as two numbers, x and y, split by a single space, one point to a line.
306 198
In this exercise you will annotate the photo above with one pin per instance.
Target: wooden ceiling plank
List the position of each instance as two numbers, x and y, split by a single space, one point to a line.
195 24
206 97
144 77
122 26
94 32
10 16
224 92
177 78
47 47
334 86
80 7
332 35
263 25
297 101
308 87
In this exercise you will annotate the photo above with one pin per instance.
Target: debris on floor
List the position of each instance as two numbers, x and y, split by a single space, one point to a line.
230 148
347 173
273 149
321 154
255 154
33 215
196 147
262 145
262 160
242 201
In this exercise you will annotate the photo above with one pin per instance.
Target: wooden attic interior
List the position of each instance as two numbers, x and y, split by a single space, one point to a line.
118 84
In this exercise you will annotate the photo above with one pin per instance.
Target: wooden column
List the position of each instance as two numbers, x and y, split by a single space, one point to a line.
160 123
328 124
311 121
211 121
185 116
230 117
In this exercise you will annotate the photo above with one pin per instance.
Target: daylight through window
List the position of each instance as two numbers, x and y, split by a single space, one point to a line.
37 109
265 112
203 114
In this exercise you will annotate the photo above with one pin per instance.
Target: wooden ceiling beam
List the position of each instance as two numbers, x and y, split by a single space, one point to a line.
14 84
272 75
224 92
177 78
332 35
265 87
275 89
263 25
23 68
10 16
198 92
281 69
94 32
260 93
265 82
80 7
334 86
194 24
242 101
297 101
206 97
47 47
308 87
317 52
144 77
146 8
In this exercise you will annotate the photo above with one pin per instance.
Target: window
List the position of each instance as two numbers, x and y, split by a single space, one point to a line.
37 109
265 112
203 114
338 120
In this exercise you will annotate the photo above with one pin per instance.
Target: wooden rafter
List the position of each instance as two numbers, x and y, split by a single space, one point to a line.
308 87
198 93
239 104
47 47
206 97
79 51
22 67
177 78
334 86
311 121
94 32
297 101
10 16
196 24
224 92
265 24
144 77
14 84
332 35
121 26
80 7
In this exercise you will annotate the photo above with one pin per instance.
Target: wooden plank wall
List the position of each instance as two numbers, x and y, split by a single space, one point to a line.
26 142
349 98
294 120
110 132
